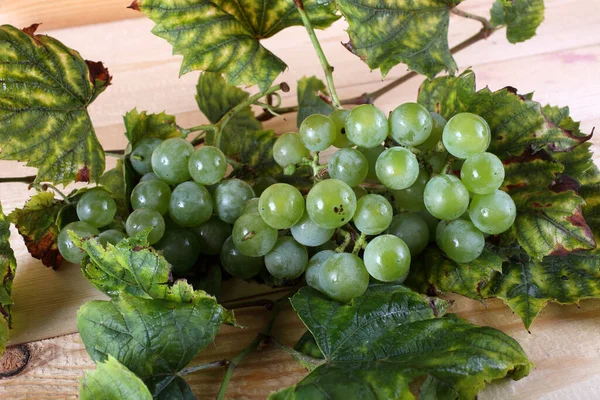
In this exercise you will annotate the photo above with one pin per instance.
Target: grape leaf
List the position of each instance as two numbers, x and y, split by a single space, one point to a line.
46 89
378 344
112 380
432 273
309 102
119 181
521 18
143 125
386 33
8 267
224 36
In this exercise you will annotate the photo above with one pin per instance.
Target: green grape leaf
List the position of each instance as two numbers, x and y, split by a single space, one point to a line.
309 102
432 273
385 339
590 191
46 89
119 181
173 387
521 18
8 268
143 125
112 380
223 36
384 34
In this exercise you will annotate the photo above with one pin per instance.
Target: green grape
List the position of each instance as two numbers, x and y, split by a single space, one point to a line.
141 155
170 160
67 248
359 191
366 126
191 204
211 235
344 277
493 213
348 165
431 222
237 264
180 248
230 196
466 134
372 155
438 232
150 176
308 233
387 258
373 214
97 208
112 236
251 206
462 241
339 121
482 173
207 165
281 206
438 161
314 267
144 218
412 229
317 132
289 149
252 236
436 133
330 245
410 124
397 168
446 197
154 195
411 198
263 184
331 203
287 259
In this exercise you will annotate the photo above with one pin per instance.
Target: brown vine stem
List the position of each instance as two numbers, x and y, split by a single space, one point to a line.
19 179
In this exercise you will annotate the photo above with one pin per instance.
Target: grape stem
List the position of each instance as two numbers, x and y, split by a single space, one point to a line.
42 187
347 239
19 179
360 244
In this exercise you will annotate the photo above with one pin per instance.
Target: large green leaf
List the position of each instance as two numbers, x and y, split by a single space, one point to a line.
309 102
143 125
385 33
386 338
224 36
521 18
8 267
46 89
112 380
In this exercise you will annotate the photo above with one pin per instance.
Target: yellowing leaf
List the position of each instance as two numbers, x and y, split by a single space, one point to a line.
521 18
142 125
112 380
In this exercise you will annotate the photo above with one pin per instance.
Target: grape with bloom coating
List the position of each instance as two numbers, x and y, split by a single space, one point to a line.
410 124
366 126
412 229
251 205
289 149
191 204
387 258
237 264
281 206
287 259
411 198
144 218
482 173
331 203
317 132
97 208
180 248
229 197
207 165
348 165
343 277
466 134
339 121
112 236
67 249
446 197
153 194
211 235
462 241
170 160
436 133
141 155
373 214
252 236
308 233
314 267
397 168
493 213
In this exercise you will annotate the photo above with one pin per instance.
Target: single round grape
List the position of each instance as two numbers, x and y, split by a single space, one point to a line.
112 236
466 134
97 208
410 124
308 233
348 165
493 213
446 197
237 264
411 198
190 204
170 160
289 149
359 191
344 277
207 165
230 196
317 132
314 267
439 229
366 126
251 206
372 155
373 214
387 258
412 229
141 156
211 235
180 248
281 206
150 176
431 222
263 184
339 121
482 173
287 259
252 236
154 195
67 249
331 203
397 168
144 218
436 133
462 241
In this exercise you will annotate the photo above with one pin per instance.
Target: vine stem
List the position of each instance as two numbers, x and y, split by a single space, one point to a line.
19 179
347 238
327 68
200 367
484 21
360 243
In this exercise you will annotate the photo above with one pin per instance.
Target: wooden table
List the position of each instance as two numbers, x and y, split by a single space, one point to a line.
562 65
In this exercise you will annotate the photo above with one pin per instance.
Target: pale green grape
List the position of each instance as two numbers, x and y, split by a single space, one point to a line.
150 176
251 205
431 222
331 203
397 168
67 248
207 165
482 173
411 198
191 204
180 248
315 265
343 277
366 126
252 236
339 121
493 213
141 155
466 134
287 259
97 208
373 214
436 133
289 149
462 241
144 218
112 236
372 155
229 197
359 191
348 165
170 160
438 161
153 194
308 233
317 132
446 197
387 258
237 264
412 229
211 235
410 124
438 232
281 206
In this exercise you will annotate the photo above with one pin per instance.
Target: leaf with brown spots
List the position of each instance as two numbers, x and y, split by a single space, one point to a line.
8 267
